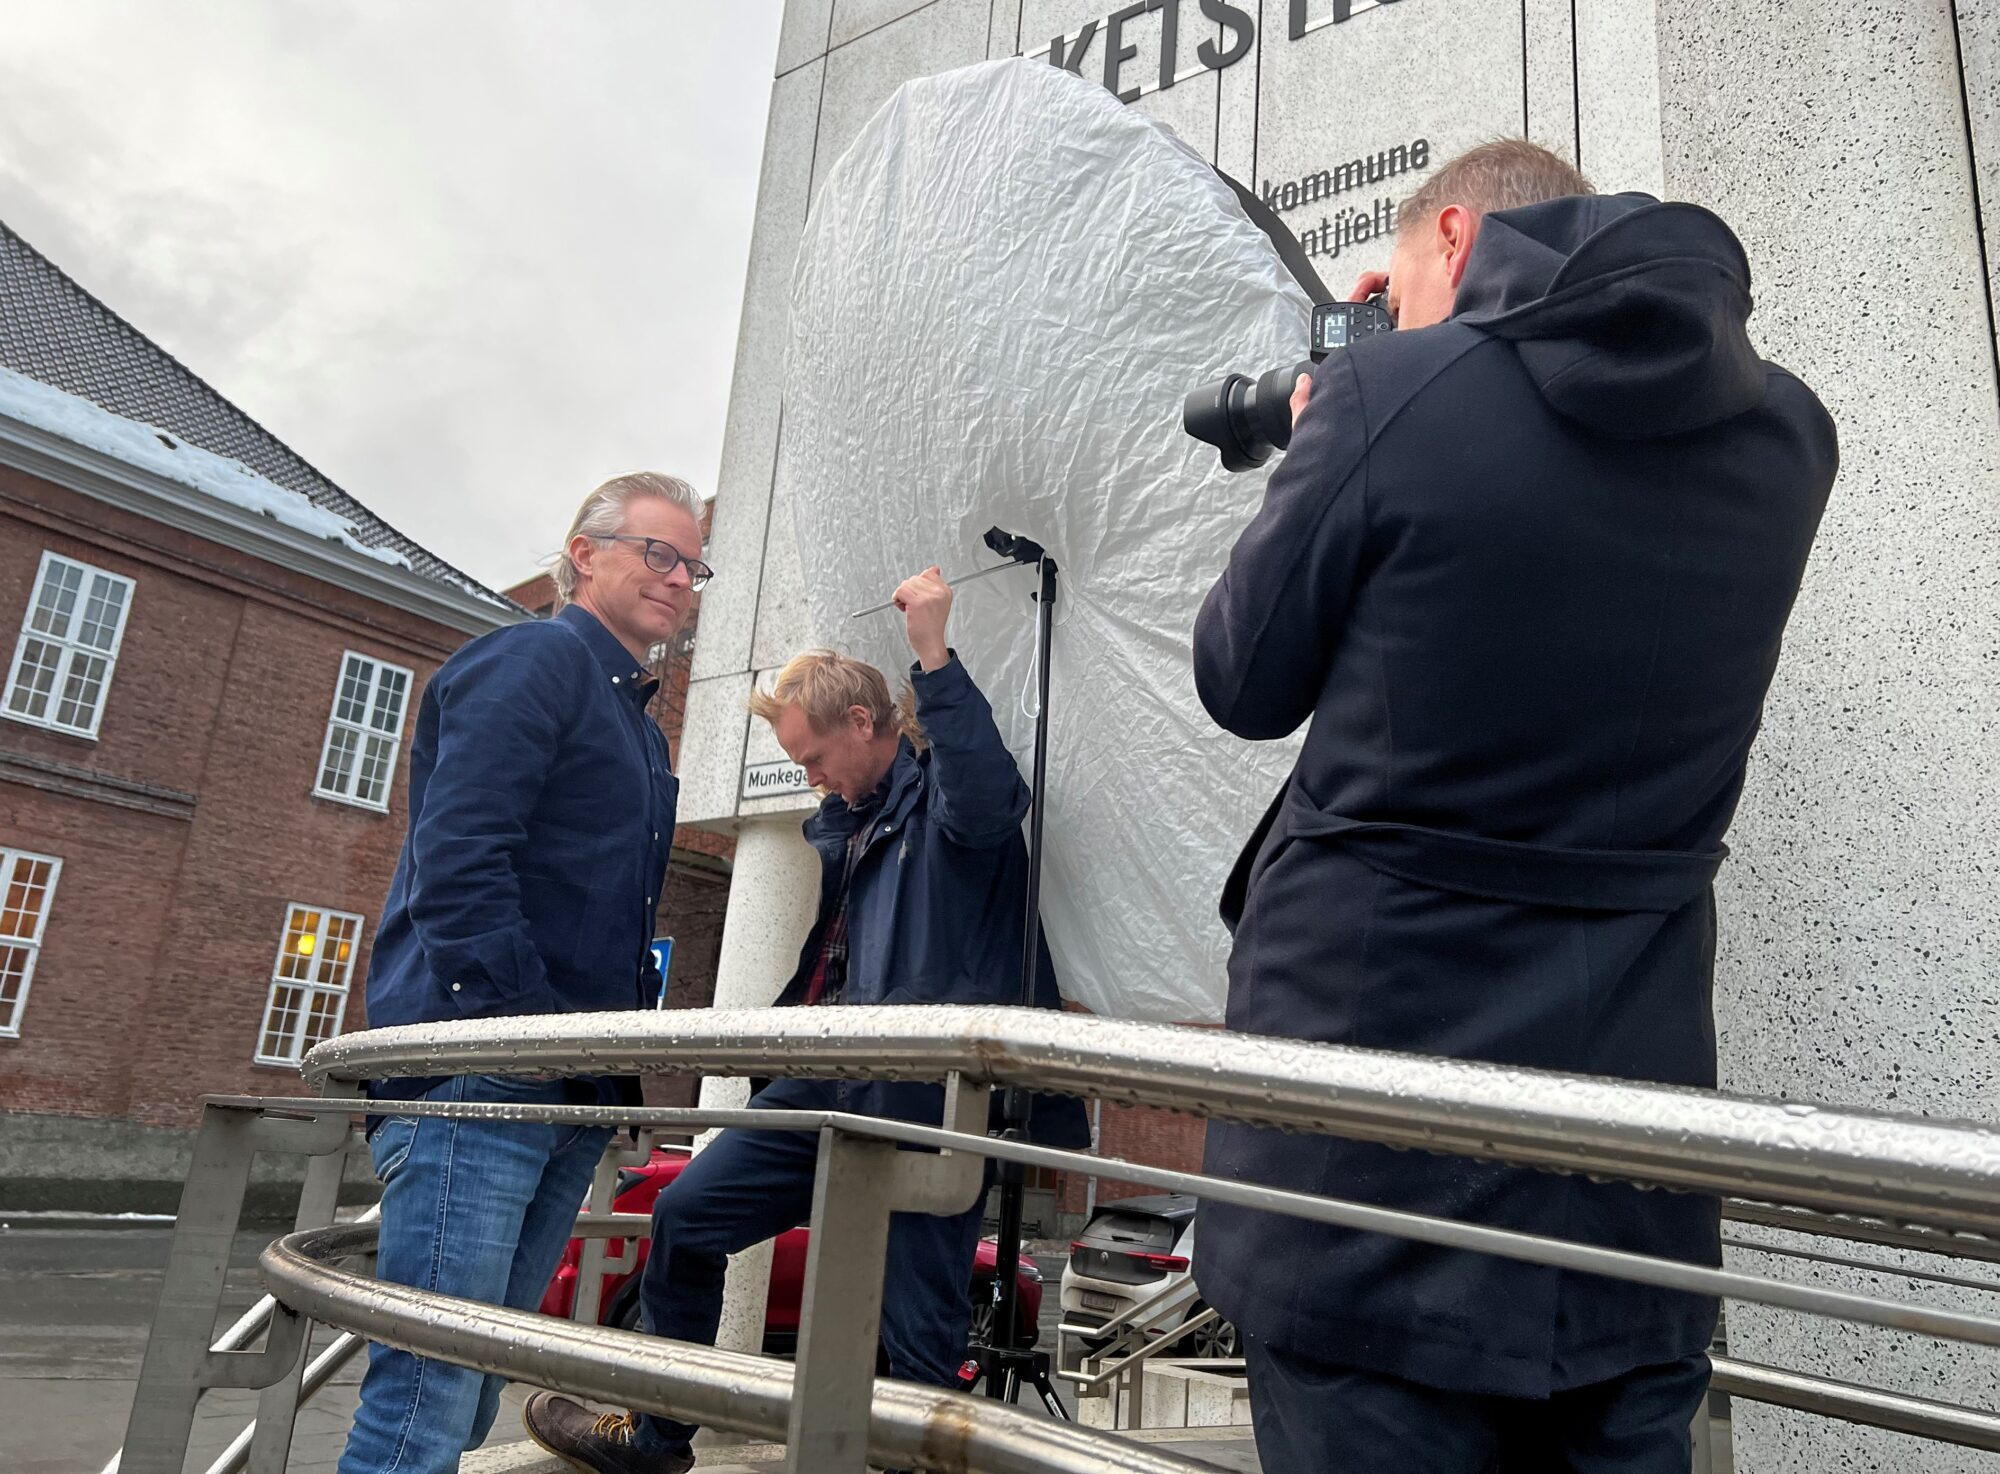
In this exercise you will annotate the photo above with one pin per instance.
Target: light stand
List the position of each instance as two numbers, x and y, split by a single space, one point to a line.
1004 1366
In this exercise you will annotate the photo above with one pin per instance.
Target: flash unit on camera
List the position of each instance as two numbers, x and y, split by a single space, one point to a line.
1338 324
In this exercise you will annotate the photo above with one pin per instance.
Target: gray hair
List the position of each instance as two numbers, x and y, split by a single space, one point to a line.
603 513
1502 174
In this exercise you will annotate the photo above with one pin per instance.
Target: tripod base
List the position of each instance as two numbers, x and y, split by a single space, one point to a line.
1003 1372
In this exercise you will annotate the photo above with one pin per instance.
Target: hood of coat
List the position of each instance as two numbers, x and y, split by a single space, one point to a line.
1630 315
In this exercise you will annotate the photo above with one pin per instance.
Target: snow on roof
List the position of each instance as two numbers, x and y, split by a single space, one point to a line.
149 448
55 332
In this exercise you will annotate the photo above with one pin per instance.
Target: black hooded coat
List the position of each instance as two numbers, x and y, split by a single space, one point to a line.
1526 573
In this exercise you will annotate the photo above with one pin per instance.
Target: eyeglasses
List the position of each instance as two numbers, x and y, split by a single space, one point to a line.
663 557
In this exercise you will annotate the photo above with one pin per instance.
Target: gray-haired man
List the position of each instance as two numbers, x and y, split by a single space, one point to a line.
541 815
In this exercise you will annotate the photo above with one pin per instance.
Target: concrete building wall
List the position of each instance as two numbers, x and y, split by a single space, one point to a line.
1856 149
1287 108
1861 911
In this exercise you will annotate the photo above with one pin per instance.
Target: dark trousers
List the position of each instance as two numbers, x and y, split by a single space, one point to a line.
748 1186
1314 1419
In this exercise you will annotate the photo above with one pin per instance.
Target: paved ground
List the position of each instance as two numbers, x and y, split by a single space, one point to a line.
74 1307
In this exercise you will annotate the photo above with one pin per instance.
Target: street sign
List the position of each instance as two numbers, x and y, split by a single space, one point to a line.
663 954
774 780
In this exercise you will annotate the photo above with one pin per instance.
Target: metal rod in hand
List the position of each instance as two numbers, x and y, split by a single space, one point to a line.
977 573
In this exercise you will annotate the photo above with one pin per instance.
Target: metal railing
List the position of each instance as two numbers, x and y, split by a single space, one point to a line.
594 1226
1132 1336
1861 1175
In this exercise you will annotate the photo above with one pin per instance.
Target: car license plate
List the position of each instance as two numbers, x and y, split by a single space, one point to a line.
1105 1303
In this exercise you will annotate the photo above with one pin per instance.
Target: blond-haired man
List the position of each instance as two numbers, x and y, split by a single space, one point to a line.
923 874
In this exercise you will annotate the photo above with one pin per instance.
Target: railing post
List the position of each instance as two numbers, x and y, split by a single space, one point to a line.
178 1365
841 1312
587 1305
860 1182
278 1404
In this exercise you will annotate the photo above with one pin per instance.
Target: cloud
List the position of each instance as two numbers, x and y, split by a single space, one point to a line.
467 257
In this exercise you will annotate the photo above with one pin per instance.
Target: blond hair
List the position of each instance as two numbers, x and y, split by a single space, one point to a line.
603 513
1502 174
825 685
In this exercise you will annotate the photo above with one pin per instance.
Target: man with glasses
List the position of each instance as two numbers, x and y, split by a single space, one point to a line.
541 816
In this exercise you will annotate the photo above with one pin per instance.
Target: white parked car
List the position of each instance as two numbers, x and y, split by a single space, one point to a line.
1135 1254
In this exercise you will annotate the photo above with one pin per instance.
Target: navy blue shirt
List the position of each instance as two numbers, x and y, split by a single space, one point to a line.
541 818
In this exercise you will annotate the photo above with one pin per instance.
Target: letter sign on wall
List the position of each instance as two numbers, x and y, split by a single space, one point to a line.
774 780
1238 32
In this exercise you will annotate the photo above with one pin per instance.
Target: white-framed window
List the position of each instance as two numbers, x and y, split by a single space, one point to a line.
309 983
364 733
27 885
68 646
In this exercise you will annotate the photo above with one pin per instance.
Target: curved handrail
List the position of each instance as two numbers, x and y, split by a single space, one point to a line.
1908 1169
911 1426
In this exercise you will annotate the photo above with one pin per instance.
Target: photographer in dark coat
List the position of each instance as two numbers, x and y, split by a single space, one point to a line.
922 887
1525 570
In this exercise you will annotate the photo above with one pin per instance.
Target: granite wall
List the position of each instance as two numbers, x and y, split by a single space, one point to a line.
1862 905
1856 148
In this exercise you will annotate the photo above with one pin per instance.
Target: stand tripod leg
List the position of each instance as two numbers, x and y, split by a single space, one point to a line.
1050 1400
1004 1371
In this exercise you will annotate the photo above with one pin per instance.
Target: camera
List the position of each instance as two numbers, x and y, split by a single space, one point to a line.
1246 419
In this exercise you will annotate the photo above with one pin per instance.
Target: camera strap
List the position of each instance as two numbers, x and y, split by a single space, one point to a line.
1286 244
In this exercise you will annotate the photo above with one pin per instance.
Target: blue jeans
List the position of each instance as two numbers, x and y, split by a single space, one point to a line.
477 1209
1311 1416
748 1186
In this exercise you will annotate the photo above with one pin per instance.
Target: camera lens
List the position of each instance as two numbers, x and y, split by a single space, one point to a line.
1246 420
1213 414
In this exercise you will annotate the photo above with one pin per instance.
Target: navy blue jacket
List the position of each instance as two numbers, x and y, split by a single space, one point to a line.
1526 573
541 818
937 909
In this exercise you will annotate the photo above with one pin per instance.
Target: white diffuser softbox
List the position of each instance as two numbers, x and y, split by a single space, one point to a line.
1006 286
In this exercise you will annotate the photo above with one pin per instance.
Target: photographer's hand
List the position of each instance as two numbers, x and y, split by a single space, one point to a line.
1367 285
926 604
1301 392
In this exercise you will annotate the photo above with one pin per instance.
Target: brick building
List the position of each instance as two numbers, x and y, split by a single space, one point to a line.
214 657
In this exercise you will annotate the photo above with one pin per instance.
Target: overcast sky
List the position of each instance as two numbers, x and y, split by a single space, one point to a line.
468 257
